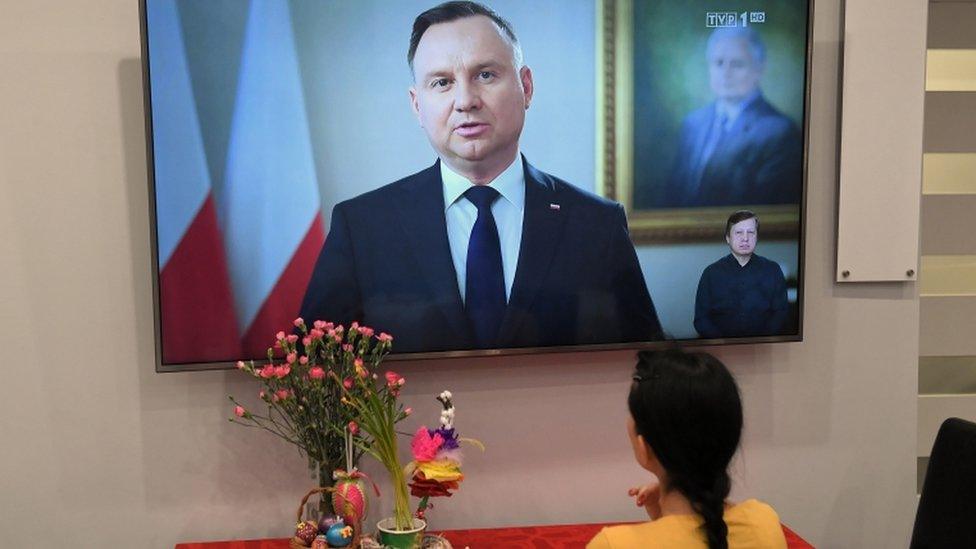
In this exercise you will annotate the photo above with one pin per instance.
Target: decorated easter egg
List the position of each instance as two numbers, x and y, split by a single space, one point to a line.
339 535
326 522
306 532
349 498
320 543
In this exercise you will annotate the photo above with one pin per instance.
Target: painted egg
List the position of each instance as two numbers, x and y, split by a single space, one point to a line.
339 535
349 499
326 522
306 532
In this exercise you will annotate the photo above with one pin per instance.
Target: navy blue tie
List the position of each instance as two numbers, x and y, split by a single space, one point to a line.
484 290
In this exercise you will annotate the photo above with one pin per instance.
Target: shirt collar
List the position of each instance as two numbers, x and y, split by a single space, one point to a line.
510 183
733 261
733 111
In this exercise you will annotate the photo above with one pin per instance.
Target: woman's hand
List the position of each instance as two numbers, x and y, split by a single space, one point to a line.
648 496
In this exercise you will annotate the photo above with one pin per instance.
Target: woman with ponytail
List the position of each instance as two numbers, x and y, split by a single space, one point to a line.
684 425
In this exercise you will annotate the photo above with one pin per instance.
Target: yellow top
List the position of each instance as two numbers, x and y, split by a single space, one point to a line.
752 525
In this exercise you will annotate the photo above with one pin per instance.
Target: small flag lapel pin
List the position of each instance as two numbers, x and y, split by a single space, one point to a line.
554 207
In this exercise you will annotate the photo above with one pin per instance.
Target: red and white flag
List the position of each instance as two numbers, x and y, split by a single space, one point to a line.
196 306
269 207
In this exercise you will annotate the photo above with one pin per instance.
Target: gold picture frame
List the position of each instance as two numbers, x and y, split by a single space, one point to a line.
615 149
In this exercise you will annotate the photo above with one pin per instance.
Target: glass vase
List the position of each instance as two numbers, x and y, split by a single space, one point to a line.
321 472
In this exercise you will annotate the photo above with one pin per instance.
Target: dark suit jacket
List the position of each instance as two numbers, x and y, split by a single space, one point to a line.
758 161
387 264
737 301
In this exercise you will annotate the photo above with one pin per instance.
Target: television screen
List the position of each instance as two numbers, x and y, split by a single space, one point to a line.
492 178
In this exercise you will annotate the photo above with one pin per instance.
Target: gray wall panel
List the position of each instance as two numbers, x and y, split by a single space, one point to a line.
948 224
947 326
950 122
950 25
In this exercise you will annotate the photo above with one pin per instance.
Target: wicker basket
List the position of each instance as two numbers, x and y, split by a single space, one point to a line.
296 543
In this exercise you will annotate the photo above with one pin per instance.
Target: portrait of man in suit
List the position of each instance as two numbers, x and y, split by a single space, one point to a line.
481 250
738 149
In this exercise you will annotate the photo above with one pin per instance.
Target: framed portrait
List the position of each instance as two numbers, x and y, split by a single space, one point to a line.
701 111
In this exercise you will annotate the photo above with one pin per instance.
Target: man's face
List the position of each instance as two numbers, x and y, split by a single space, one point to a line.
742 238
468 95
733 73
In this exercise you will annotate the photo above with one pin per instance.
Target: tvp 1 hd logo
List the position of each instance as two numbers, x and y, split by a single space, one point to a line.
719 19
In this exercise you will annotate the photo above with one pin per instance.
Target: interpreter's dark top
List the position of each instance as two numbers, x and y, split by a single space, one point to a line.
735 300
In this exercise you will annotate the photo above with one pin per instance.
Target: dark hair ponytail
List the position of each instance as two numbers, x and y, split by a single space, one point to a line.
687 408
709 502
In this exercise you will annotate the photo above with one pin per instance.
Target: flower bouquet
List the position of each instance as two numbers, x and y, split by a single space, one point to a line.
374 406
436 468
302 395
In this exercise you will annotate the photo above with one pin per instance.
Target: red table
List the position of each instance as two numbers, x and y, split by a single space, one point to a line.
526 537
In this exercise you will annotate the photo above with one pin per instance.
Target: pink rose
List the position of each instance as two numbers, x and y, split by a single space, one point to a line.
316 373
366 331
391 377
290 358
281 394
408 411
268 371
347 383
282 371
353 427
384 337
292 338
303 360
298 322
280 335
347 347
354 326
307 340
319 324
240 364
240 411
316 333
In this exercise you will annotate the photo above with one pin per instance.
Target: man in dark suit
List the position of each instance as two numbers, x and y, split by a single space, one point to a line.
739 149
481 250
742 294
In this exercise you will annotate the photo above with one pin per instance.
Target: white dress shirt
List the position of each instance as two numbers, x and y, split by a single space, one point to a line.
508 211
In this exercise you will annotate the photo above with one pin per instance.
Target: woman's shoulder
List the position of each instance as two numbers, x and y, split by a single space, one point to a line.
753 523
753 509
665 532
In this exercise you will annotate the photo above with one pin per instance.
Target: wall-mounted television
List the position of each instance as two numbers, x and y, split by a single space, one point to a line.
537 177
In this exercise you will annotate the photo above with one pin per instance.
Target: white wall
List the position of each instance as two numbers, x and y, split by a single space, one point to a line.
101 452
